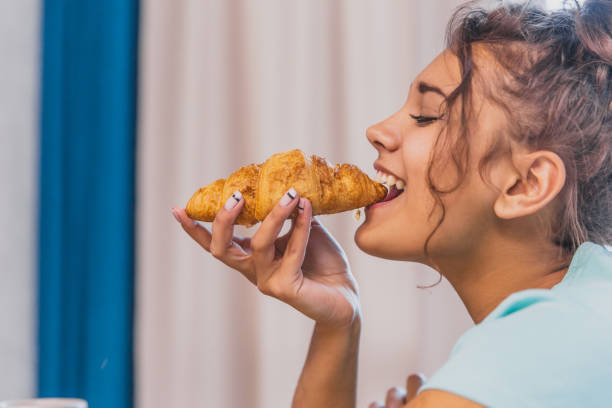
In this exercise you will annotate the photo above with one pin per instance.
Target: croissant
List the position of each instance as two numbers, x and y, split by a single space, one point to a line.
330 189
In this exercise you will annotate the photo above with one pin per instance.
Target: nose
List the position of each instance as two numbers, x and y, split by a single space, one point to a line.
384 135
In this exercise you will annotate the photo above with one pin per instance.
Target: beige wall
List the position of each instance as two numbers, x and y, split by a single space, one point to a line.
226 83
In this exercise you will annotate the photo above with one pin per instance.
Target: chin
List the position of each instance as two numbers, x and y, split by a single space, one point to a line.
373 242
366 242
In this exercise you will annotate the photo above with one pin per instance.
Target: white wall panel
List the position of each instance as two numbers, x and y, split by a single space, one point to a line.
19 78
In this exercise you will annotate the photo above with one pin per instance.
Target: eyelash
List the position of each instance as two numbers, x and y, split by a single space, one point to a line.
424 120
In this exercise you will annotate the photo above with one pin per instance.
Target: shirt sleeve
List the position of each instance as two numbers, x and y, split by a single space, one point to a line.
551 353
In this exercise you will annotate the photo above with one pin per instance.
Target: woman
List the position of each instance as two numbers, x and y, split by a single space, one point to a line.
504 146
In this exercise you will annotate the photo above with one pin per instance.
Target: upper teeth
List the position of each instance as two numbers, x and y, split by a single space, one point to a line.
390 180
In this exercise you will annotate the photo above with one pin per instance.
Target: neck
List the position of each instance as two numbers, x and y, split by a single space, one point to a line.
497 269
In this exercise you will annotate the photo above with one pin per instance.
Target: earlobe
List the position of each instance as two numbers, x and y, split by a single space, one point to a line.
539 178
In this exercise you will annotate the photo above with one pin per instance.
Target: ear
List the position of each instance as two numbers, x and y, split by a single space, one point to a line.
540 178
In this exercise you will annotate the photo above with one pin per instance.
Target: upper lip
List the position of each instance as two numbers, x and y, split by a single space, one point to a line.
379 167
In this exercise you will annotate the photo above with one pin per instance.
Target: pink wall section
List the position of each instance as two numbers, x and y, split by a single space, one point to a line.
227 83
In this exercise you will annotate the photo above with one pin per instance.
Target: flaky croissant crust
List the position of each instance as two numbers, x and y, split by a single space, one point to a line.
330 189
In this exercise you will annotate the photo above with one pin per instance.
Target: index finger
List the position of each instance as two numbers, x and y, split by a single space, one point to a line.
199 233
223 225
296 247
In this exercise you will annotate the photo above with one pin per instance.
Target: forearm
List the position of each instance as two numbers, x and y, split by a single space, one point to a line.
329 376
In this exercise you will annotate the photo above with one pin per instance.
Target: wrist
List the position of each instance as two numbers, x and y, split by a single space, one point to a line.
352 328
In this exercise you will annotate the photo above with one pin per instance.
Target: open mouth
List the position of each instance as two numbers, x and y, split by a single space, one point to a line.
392 193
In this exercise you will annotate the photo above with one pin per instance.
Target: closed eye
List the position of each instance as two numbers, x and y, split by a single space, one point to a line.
424 120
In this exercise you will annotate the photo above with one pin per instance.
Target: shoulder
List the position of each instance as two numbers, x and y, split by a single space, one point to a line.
588 282
555 333
540 346
537 348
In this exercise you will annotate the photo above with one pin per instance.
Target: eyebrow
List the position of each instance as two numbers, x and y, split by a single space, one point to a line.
425 87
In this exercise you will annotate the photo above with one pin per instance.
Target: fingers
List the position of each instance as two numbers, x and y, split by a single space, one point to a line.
281 243
296 247
199 233
223 225
395 397
398 397
262 242
221 242
413 383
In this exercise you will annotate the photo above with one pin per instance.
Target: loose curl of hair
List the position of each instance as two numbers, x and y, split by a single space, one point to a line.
555 89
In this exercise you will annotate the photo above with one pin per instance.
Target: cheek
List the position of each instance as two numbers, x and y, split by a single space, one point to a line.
468 216
415 158
418 201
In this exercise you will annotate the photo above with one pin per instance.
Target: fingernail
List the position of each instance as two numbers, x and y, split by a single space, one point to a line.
233 200
175 213
301 205
288 197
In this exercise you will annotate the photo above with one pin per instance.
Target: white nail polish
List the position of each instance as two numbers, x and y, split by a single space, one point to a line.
288 197
233 200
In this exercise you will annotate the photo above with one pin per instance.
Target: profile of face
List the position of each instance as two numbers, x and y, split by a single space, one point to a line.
398 229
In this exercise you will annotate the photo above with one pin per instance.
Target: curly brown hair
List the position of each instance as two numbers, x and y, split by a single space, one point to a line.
556 93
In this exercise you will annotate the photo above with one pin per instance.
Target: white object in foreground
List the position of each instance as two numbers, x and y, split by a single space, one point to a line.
45 403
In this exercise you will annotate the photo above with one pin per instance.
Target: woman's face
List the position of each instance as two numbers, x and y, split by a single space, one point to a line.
399 228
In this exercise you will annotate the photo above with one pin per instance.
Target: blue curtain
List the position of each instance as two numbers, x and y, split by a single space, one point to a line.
86 225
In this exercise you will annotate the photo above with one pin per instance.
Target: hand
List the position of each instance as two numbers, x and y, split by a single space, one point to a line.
305 268
398 397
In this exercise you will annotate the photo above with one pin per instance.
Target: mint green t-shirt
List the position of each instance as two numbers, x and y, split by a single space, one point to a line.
540 347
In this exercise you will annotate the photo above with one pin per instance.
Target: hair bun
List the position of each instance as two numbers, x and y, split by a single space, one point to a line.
594 28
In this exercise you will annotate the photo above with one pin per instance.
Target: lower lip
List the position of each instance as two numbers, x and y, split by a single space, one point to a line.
382 203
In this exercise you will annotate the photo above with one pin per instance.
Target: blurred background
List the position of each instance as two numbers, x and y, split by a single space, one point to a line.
113 112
